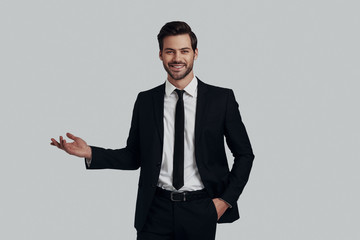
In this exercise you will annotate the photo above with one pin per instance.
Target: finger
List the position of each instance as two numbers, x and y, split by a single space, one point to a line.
61 141
71 136
55 143
65 146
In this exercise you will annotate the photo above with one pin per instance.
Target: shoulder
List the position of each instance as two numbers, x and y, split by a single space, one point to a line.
215 90
151 92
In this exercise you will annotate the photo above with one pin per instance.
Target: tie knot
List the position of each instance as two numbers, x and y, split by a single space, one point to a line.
180 93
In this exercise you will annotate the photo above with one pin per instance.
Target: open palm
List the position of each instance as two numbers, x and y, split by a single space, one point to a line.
78 147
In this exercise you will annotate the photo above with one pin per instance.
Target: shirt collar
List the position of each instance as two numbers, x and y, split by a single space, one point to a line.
189 89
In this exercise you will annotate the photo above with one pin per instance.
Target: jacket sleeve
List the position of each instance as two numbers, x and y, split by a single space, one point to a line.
239 144
127 158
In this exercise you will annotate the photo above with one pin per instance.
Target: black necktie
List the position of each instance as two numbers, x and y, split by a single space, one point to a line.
178 170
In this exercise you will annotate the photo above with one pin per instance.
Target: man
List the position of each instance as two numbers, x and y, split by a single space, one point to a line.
177 140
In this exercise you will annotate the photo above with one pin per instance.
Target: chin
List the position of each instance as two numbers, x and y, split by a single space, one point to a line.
179 77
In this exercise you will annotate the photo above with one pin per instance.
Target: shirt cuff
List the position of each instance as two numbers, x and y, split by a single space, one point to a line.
88 162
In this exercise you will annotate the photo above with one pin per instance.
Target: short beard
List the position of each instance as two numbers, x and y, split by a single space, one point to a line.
189 69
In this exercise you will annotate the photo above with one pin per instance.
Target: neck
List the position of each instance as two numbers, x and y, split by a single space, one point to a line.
181 83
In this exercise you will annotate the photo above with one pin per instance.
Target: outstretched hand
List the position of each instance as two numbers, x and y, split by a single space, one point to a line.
78 148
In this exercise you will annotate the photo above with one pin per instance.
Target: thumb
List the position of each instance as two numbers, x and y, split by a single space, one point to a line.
71 136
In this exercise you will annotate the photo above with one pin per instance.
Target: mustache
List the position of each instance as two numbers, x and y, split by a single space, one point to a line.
177 63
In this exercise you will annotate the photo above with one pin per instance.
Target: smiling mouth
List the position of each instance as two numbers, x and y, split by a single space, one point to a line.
177 67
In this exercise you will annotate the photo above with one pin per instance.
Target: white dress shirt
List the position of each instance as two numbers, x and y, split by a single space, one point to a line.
192 180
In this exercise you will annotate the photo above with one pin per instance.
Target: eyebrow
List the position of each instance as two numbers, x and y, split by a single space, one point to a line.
185 48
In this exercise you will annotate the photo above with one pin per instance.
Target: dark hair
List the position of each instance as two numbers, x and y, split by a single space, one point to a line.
176 28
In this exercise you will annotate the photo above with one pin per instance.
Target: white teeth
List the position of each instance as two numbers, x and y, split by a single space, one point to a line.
177 66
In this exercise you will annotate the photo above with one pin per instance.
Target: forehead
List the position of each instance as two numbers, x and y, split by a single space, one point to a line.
177 42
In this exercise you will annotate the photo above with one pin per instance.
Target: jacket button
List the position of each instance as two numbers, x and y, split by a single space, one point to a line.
158 164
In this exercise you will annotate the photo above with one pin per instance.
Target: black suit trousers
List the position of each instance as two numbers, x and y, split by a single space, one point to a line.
189 220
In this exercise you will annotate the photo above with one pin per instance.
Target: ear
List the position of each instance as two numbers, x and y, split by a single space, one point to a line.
196 53
160 55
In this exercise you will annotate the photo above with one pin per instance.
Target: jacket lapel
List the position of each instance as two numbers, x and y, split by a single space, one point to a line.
200 109
158 101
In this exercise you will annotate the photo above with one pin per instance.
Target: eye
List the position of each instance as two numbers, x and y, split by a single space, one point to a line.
185 51
169 52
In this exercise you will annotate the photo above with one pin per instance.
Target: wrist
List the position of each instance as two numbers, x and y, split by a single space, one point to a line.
228 204
88 154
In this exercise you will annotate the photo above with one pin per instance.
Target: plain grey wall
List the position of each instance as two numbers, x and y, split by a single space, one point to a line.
77 66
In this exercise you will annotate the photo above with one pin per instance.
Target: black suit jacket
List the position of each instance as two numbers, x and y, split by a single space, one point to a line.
217 115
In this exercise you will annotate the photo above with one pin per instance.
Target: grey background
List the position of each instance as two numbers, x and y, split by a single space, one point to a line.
77 66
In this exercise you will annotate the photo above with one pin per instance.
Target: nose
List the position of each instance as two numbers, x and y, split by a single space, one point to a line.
177 57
